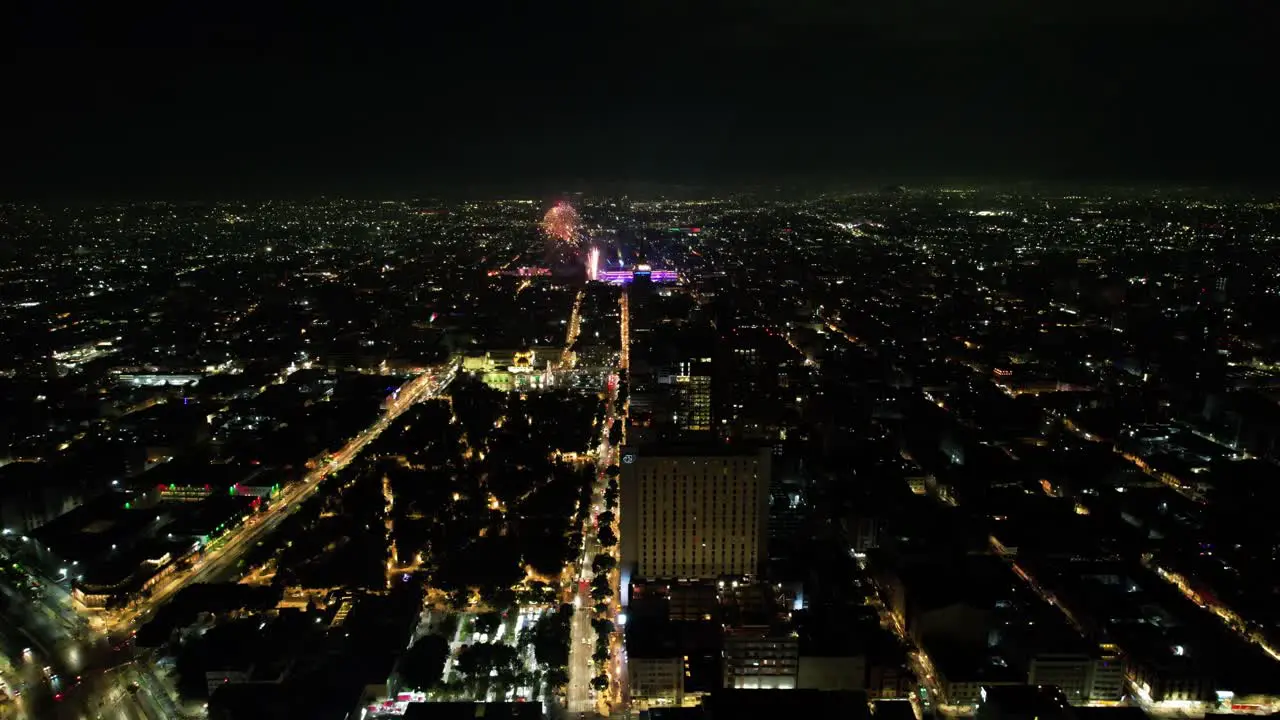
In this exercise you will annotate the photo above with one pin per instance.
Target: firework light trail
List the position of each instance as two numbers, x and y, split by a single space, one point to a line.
593 264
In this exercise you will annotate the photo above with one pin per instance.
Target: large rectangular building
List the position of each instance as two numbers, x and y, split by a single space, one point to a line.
693 513
693 382
758 658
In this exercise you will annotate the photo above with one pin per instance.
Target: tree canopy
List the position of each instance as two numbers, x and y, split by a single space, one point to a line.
422 666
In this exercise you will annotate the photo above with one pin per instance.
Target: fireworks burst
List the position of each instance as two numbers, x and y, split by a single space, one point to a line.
561 224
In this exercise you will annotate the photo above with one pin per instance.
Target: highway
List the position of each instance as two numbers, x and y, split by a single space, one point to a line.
568 358
220 561
618 662
579 696
67 671
582 642
578 693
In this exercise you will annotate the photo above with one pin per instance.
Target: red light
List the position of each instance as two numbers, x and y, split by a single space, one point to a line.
58 697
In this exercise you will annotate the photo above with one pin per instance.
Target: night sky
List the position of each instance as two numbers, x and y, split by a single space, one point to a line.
240 100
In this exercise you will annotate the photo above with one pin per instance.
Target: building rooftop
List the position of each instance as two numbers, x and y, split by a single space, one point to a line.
665 450
93 528
1023 702
474 711
964 665
844 704
656 638
218 476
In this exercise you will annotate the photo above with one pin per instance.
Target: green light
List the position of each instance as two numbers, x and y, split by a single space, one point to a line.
128 506
172 486
231 490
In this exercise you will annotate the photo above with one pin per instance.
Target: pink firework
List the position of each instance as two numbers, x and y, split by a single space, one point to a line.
593 264
561 224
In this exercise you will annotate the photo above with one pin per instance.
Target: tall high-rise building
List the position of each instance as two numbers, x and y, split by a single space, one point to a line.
693 383
694 513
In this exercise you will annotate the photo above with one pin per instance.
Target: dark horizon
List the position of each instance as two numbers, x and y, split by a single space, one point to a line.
783 189
813 94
